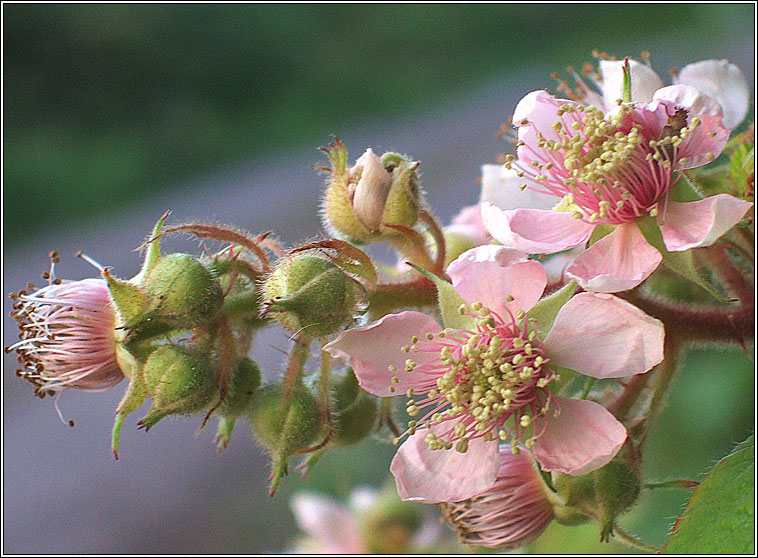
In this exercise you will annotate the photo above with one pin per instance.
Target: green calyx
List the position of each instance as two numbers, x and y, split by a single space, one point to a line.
284 424
246 380
356 411
178 382
309 295
600 496
182 291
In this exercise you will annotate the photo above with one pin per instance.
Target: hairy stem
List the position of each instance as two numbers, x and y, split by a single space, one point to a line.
296 364
630 540
387 297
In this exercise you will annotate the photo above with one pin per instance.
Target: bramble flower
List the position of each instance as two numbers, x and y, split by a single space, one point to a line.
331 527
465 232
713 87
511 513
607 169
489 381
371 522
67 337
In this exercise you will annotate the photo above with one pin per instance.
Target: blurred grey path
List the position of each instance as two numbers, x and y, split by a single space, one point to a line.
171 492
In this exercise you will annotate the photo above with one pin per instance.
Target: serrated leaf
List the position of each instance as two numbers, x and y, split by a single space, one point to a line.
719 518
450 302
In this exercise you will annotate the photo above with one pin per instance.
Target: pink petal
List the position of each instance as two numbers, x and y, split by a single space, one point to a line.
617 262
501 187
581 439
722 81
443 475
700 146
536 112
644 81
331 524
469 223
488 274
690 98
535 231
603 336
372 349
700 223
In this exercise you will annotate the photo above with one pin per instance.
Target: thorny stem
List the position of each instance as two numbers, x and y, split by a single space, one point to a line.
386 297
664 374
439 239
296 365
632 541
684 484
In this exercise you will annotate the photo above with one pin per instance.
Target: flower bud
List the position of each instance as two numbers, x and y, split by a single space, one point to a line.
182 291
178 383
284 424
374 192
356 411
311 296
600 496
246 379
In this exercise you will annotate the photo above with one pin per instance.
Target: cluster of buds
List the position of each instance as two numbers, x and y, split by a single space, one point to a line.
506 429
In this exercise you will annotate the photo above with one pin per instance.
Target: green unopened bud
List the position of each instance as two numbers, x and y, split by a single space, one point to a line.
311 296
376 191
389 524
600 496
182 291
178 383
355 411
246 379
284 425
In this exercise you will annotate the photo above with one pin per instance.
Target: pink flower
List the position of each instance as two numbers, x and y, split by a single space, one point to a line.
609 170
713 87
469 224
513 512
332 527
472 387
67 337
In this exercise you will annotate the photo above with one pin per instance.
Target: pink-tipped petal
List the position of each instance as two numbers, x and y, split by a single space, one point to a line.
535 231
488 274
722 81
617 262
582 438
372 349
443 475
645 81
695 101
700 223
502 187
602 336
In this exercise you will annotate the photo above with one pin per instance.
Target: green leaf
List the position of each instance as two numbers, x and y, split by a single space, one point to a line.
450 302
545 311
719 518
682 263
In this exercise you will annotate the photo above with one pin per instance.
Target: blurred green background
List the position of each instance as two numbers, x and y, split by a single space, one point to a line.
105 105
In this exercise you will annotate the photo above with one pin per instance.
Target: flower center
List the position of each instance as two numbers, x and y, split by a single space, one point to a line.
491 382
607 169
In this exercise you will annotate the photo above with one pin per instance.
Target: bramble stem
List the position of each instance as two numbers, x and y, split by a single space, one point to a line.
296 364
439 239
630 540
684 484
387 297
